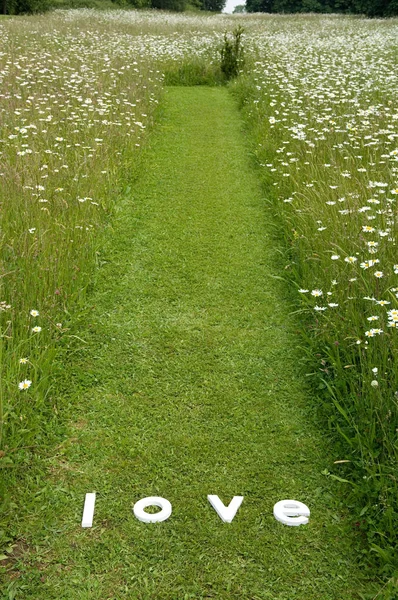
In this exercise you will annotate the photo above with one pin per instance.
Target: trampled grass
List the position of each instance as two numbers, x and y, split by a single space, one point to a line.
79 92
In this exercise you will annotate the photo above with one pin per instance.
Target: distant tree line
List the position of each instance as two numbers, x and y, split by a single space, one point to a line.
16 7
370 8
181 5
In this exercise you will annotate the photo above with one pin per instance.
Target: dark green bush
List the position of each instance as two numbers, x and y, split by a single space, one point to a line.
213 5
25 7
173 5
232 54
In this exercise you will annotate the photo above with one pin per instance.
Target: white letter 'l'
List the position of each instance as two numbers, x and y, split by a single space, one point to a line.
226 513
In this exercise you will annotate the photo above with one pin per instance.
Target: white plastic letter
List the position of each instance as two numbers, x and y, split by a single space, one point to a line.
291 512
88 511
145 517
226 513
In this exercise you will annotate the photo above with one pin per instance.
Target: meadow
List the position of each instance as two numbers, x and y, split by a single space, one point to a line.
80 94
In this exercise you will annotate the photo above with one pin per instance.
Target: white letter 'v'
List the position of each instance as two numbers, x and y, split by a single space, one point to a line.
226 513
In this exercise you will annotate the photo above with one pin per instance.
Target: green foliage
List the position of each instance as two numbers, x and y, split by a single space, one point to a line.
20 7
188 380
239 9
194 72
193 6
203 71
370 8
254 6
361 417
182 5
16 7
232 54
213 5
172 5
96 4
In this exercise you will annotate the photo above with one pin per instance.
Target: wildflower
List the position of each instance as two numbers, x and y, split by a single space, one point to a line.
36 329
350 259
373 332
332 304
319 308
372 318
316 293
23 361
25 384
378 274
34 313
382 302
375 370
335 257
374 383
303 291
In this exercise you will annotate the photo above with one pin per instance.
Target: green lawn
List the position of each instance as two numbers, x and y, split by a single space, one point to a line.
188 384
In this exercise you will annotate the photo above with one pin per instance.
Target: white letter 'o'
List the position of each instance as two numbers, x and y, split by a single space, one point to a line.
291 512
145 517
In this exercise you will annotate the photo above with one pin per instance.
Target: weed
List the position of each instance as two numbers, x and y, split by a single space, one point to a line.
232 59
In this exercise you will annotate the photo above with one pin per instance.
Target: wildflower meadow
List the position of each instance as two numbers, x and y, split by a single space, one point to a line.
321 104
80 94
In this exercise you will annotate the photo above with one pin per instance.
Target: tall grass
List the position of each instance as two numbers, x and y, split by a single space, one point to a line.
321 105
79 91
76 106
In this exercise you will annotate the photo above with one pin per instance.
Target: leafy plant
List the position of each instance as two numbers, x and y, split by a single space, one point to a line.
232 59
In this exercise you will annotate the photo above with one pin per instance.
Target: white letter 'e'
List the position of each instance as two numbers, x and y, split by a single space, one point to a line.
226 513
291 512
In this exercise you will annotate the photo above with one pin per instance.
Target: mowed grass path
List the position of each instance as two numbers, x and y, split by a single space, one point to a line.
189 386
